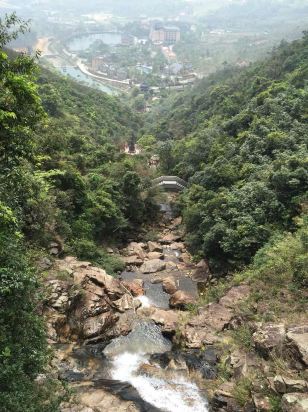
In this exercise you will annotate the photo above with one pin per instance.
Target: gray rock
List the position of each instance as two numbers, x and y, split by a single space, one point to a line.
152 266
295 402
154 255
155 247
298 336
284 385
202 272
96 325
268 337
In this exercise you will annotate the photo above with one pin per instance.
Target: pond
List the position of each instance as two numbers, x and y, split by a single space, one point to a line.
76 74
83 42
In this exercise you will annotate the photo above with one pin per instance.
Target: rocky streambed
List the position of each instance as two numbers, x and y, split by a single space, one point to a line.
130 344
114 338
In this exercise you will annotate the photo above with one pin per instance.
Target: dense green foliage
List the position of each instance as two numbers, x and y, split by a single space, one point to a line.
63 178
23 349
94 189
240 139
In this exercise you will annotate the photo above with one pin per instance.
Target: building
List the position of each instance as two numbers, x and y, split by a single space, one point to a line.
97 63
165 34
127 39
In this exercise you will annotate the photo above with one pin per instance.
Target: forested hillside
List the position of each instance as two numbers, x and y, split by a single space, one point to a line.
63 180
240 139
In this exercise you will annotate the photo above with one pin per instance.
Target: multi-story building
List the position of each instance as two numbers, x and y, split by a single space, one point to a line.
165 34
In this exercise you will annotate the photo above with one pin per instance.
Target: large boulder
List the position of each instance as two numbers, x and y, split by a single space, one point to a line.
112 287
202 272
201 362
295 402
202 329
298 337
181 299
262 403
214 315
235 295
154 247
92 327
243 363
152 266
135 287
179 246
198 337
154 255
167 319
186 258
126 302
136 249
283 384
170 238
170 285
133 260
269 337
101 400
122 327
223 399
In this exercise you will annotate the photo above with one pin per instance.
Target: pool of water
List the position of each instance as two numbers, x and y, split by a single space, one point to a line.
83 42
76 74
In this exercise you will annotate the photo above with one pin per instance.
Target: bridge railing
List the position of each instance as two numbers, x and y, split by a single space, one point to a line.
167 179
173 183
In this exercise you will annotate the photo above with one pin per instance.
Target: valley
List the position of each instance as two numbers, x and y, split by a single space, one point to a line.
153 238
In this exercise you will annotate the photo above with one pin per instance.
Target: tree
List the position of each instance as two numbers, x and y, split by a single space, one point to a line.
23 346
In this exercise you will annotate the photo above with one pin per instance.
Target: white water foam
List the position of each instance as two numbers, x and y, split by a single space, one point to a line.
172 395
145 301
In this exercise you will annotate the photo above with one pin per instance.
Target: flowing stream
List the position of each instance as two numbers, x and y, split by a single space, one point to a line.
129 357
132 366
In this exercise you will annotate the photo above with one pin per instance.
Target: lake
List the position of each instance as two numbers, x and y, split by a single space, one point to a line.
85 41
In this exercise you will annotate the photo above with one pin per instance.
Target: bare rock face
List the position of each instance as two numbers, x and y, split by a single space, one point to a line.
155 247
295 402
171 266
124 303
169 285
202 329
58 294
269 337
298 337
153 266
180 299
95 326
88 305
122 327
